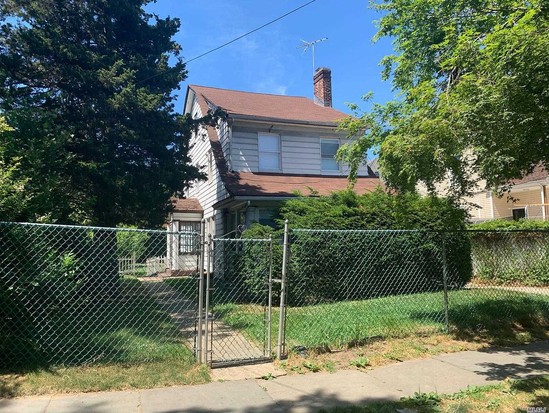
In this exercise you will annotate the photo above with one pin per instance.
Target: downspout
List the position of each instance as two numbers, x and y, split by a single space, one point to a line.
492 204
230 137
543 213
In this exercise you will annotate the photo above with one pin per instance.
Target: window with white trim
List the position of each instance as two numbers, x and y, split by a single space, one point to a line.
328 150
188 236
269 152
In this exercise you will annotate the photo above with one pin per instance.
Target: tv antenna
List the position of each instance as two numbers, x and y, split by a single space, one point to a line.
306 45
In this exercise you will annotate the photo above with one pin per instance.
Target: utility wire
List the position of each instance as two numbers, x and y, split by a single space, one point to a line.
232 41
250 32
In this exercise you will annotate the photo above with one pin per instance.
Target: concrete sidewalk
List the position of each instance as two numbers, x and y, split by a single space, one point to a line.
447 373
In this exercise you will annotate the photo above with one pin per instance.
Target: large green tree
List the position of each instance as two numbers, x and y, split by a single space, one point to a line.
12 190
472 78
87 87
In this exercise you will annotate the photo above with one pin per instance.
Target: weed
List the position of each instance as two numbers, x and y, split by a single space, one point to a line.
311 366
360 362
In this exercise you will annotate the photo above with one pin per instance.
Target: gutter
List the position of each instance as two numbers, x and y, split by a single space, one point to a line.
266 119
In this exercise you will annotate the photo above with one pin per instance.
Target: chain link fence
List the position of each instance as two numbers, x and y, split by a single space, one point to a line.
83 295
349 287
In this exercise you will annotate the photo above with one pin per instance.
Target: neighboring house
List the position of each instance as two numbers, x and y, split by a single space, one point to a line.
528 198
268 149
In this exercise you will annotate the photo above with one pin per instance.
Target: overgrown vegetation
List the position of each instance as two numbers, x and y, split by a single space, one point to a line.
328 266
59 306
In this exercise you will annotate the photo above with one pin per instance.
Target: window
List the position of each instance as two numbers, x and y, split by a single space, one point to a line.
269 152
519 213
328 149
188 238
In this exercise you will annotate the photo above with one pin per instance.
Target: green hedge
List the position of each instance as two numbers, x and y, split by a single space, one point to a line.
377 255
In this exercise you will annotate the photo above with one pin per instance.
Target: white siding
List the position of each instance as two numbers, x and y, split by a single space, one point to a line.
244 151
211 191
300 154
300 148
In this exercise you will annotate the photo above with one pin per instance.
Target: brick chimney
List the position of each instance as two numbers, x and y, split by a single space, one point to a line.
322 81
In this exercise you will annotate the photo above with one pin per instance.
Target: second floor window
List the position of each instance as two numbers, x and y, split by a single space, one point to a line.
328 149
269 152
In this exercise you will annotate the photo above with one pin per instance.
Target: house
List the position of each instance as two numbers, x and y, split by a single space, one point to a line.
528 198
267 149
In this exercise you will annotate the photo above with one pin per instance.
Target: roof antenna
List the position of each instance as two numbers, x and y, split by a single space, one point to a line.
306 45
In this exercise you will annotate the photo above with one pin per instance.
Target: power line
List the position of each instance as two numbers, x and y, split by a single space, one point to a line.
250 32
233 40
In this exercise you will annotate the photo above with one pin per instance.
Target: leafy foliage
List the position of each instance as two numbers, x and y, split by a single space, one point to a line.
474 98
12 194
87 87
504 224
328 266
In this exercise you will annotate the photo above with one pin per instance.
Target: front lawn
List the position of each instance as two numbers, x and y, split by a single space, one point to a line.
502 317
100 343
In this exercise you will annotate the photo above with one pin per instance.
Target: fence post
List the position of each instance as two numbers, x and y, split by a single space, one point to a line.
199 339
270 298
209 246
279 351
445 282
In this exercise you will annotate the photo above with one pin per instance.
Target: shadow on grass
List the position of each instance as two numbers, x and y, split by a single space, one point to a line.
95 328
534 386
500 320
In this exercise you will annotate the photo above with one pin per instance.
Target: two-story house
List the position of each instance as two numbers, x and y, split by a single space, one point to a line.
528 198
269 148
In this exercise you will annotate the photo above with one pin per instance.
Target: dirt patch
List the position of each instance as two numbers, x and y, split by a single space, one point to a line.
376 353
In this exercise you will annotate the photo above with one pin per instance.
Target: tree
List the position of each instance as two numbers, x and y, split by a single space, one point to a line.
474 98
12 190
87 87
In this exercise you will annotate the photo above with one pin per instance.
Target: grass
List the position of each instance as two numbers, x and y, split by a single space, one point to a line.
168 372
102 343
501 317
510 396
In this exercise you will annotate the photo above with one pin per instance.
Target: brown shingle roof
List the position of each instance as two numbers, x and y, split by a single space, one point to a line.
539 173
265 184
186 205
260 105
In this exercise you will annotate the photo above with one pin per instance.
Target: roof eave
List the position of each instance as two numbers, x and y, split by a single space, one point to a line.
267 119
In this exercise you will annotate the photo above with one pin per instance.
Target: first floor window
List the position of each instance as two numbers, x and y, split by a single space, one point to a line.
328 150
188 237
519 213
269 152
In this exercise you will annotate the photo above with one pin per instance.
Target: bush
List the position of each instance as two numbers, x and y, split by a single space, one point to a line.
242 266
377 254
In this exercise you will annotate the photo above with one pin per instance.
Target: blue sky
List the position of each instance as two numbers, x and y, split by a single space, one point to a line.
270 60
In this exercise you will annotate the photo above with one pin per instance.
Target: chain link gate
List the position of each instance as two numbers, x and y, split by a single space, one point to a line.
236 323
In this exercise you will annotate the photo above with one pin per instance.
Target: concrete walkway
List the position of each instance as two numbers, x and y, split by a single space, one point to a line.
308 393
225 344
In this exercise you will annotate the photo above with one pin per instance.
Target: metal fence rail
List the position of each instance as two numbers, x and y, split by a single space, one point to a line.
81 295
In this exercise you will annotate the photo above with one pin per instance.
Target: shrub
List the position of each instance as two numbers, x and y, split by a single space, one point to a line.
376 255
